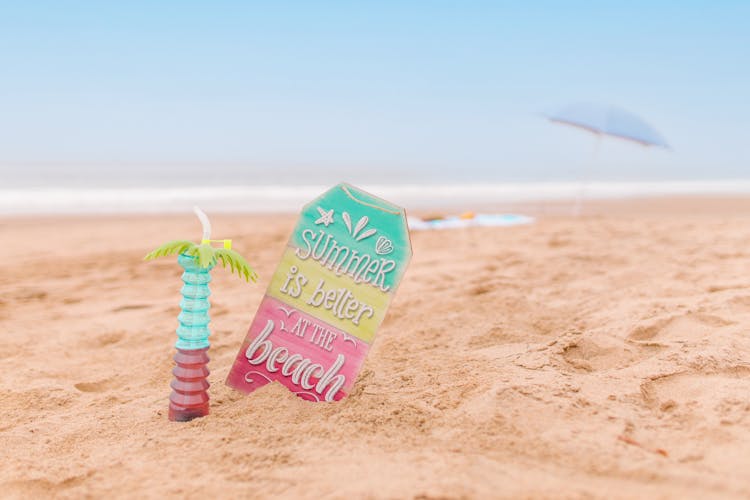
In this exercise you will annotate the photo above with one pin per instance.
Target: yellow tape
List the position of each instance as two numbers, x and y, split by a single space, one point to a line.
227 243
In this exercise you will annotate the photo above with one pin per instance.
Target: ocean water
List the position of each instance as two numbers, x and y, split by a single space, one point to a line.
290 197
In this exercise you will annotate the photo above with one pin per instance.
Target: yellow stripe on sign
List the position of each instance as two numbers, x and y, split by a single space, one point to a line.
356 308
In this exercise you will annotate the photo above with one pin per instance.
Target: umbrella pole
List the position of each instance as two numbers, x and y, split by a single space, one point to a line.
584 178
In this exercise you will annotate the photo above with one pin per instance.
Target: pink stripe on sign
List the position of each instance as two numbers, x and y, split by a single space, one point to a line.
310 357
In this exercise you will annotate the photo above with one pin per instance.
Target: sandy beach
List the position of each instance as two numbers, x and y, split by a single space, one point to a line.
602 356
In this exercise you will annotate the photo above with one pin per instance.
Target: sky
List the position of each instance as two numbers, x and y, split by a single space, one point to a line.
391 90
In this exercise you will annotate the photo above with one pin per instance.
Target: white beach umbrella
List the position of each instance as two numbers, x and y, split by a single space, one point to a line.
611 121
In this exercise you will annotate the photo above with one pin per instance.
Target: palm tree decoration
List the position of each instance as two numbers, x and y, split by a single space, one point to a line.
189 397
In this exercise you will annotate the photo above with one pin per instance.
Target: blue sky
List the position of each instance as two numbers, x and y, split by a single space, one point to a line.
382 89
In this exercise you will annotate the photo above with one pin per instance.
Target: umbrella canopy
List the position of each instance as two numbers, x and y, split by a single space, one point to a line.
609 120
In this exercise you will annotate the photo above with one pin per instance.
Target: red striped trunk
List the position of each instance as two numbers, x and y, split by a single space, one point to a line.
189 397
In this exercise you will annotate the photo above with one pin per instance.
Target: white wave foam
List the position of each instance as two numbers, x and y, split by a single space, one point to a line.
291 198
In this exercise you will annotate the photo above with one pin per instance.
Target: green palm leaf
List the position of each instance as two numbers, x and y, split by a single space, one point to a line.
207 256
170 248
236 263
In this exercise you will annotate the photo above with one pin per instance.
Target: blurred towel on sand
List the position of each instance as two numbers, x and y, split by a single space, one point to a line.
468 220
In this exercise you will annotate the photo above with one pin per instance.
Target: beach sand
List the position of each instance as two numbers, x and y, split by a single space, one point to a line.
605 356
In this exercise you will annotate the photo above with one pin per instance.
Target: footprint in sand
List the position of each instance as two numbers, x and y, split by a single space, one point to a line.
497 335
691 327
479 290
30 295
41 488
103 340
718 399
218 311
131 307
539 326
608 354
100 386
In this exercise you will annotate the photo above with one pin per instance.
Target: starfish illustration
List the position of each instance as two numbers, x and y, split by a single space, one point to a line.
326 217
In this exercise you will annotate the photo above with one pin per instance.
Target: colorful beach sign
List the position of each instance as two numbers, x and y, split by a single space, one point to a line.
336 279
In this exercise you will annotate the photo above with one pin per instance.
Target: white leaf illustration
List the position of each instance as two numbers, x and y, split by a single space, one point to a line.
360 225
347 221
366 234
347 338
288 312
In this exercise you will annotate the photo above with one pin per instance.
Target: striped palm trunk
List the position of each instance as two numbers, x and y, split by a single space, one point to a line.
189 397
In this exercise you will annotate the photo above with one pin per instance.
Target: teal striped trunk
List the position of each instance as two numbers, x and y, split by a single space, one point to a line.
189 397
193 331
